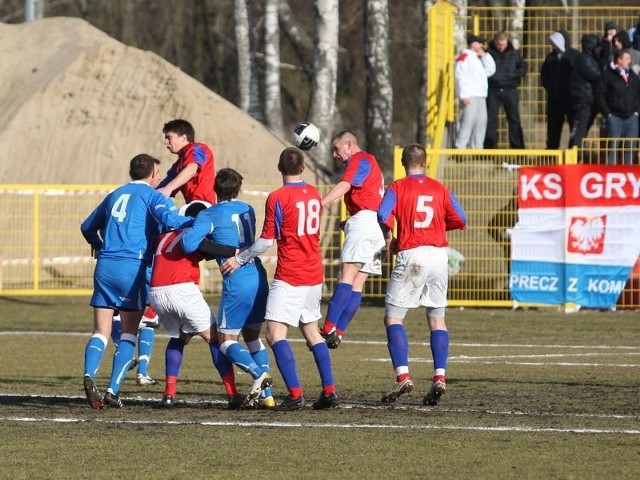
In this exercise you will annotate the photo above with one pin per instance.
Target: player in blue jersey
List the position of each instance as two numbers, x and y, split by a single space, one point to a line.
121 231
244 294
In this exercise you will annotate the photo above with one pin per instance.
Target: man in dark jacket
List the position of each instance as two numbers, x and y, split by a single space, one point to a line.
605 49
618 98
503 90
584 77
555 75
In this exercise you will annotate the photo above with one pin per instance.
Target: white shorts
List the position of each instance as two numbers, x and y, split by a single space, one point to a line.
293 305
363 242
181 308
419 277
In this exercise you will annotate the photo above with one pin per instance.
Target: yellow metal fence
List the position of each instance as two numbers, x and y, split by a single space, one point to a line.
42 251
528 29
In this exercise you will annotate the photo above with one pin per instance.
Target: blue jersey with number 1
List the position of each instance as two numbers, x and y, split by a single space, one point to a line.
244 292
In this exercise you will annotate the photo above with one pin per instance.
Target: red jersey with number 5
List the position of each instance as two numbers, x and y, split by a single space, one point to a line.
367 183
424 209
171 265
292 218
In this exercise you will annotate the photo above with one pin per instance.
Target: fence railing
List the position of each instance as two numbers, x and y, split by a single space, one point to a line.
42 251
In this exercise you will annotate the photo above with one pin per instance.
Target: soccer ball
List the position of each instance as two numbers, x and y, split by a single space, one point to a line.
306 136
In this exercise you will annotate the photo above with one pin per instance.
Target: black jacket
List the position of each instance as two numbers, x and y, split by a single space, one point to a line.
616 97
510 67
555 73
586 73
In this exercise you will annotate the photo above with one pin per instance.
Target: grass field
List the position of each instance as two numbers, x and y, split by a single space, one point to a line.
531 394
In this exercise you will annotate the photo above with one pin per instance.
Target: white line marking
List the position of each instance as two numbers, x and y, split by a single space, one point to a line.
607 431
381 343
507 362
343 406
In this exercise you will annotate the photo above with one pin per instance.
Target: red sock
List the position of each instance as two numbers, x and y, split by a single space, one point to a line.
438 377
327 327
170 385
295 392
327 390
339 332
402 377
229 381
150 312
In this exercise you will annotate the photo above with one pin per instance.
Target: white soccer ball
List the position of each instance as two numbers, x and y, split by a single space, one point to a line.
306 136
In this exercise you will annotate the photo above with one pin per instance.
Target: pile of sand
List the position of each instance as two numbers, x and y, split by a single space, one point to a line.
77 105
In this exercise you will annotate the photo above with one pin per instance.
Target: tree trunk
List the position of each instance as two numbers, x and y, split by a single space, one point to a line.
248 92
460 26
379 89
273 101
325 67
300 41
516 22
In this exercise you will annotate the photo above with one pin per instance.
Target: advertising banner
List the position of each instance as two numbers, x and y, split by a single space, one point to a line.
577 236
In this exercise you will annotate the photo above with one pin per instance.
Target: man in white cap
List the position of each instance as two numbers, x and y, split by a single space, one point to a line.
473 67
555 76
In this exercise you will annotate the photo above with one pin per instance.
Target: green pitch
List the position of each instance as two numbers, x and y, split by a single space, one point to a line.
531 394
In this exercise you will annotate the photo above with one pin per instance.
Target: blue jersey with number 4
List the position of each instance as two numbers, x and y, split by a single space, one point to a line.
127 221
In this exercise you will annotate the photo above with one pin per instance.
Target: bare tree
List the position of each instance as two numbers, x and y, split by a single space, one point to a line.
325 66
249 95
516 22
273 100
301 42
379 89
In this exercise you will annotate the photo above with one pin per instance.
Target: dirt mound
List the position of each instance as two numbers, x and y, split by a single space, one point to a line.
77 105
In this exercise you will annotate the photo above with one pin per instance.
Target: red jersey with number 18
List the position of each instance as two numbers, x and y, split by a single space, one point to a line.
292 218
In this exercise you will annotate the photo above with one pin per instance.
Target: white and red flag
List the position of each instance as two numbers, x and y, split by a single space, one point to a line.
577 236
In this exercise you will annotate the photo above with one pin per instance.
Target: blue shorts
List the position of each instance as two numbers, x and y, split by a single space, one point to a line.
244 299
120 284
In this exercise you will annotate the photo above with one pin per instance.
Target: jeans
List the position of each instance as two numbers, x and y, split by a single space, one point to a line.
622 128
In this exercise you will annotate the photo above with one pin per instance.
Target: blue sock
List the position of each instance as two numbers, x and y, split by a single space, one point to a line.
93 353
116 331
173 357
398 345
349 311
145 347
220 361
286 363
261 357
323 362
121 361
440 348
241 358
339 300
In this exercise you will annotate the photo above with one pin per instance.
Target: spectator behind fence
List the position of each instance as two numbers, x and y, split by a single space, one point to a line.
618 99
622 41
634 36
503 90
605 49
584 78
472 69
555 75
